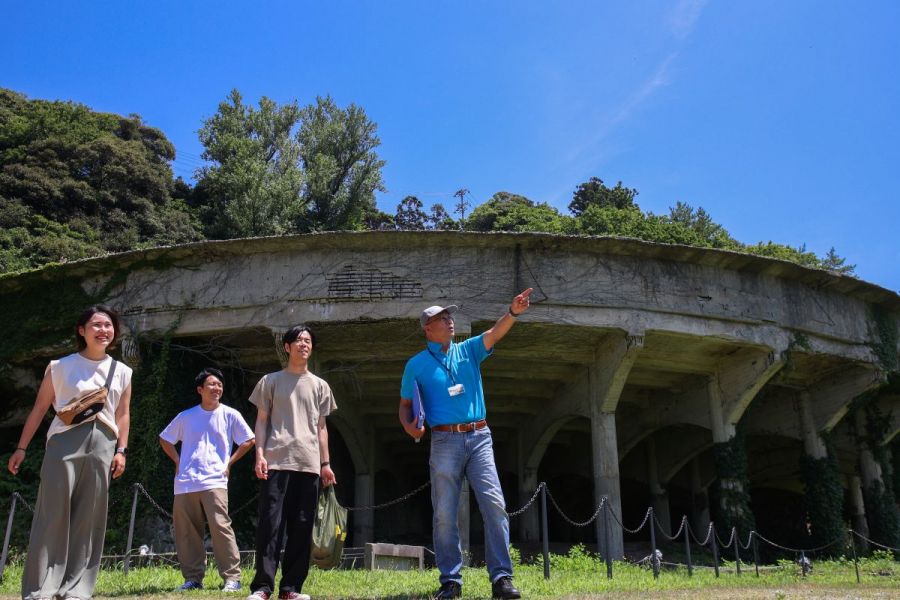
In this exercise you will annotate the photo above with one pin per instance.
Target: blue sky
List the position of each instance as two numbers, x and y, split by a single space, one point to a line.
782 119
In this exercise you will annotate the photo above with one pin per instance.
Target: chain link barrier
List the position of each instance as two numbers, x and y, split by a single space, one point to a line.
402 498
571 521
709 533
662 531
24 502
730 540
874 543
528 504
622 525
153 502
798 550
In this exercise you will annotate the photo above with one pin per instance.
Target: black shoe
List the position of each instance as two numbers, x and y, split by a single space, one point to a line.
448 591
504 589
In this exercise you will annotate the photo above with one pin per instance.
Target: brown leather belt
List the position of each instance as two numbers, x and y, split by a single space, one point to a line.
461 427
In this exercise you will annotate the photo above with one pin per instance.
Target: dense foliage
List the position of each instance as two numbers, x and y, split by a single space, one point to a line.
76 183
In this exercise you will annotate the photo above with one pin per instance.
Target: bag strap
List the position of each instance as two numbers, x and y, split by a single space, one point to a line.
109 376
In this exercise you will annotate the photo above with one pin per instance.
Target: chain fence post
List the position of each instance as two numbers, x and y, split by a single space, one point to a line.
127 561
687 545
737 555
545 541
855 558
606 553
755 552
654 563
9 524
715 549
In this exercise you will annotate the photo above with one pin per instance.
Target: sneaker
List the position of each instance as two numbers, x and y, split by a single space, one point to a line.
292 596
190 585
259 595
449 590
232 586
503 588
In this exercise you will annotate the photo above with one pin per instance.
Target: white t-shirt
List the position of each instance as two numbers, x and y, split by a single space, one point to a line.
74 376
206 438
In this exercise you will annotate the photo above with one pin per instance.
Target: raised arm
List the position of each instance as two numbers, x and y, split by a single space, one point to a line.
518 306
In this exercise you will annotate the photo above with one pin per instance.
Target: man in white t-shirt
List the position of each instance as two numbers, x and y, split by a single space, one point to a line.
207 433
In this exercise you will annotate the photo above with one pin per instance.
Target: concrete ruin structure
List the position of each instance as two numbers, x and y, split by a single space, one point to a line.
634 361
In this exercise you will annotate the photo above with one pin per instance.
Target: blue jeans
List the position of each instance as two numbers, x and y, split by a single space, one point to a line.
469 455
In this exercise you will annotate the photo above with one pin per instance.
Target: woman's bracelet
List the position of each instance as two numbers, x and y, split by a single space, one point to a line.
22 449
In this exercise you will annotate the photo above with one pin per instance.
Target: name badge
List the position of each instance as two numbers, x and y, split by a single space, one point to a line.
456 390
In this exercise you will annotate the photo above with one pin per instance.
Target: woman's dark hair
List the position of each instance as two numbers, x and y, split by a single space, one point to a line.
200 380
290 336
86 316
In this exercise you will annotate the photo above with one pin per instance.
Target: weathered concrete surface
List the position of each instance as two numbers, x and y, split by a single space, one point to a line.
643 341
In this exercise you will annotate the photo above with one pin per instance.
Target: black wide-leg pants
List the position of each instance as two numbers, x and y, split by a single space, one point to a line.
287 507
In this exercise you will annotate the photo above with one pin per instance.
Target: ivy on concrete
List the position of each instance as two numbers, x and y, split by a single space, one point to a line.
886 338
732 505
881 504
824 500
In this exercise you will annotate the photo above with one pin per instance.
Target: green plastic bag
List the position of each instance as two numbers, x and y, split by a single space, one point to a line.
329 531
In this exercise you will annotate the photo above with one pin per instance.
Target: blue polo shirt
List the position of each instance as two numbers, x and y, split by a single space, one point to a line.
436 371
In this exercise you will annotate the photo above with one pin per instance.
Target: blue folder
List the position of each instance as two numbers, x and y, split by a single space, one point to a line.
418 412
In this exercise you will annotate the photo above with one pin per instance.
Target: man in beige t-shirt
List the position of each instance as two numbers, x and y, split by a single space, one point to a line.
291 457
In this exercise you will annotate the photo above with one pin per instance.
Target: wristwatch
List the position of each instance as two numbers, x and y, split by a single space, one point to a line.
123 451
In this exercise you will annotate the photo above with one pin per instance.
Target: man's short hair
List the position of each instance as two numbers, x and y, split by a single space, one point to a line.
201 377
290 336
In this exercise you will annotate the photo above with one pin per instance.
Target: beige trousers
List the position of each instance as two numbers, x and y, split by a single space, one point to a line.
69 524
188 514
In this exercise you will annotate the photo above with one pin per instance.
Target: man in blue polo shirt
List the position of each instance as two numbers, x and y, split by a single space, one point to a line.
448 377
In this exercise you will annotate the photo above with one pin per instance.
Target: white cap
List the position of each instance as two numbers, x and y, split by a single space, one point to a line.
435 310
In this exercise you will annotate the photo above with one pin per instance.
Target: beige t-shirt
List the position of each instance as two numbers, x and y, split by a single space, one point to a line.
294 403
74 376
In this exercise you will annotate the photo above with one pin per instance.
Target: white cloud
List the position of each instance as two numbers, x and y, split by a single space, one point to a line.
684 17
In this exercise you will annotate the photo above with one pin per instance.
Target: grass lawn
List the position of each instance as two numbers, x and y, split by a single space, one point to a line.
577 575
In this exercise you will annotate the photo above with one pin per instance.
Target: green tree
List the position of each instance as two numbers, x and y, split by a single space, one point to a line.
254 185
709 233
342 170
595 193
440 219
512 212
409 215
76 183
838 264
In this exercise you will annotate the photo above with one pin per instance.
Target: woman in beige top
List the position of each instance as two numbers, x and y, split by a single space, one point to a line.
69 524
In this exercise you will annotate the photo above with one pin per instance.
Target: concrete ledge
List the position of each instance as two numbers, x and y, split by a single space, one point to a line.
394 557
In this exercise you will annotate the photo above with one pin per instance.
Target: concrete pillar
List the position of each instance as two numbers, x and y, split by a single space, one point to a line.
868 466
463 520
722 430
658 492
857 506
606 475
699 500
529 521
606 379
363 520
812 441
